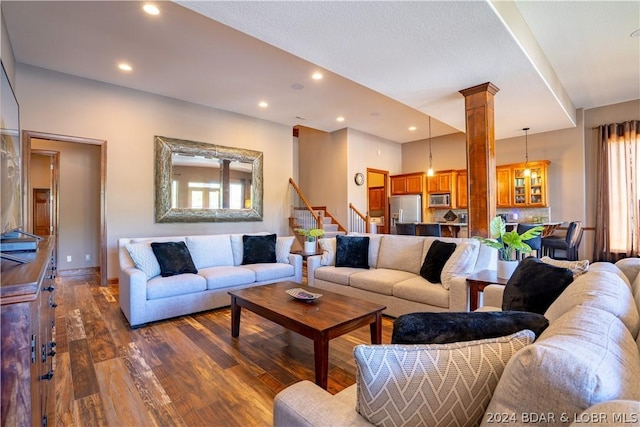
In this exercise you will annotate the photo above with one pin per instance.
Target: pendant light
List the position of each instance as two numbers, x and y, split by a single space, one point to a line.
527 171
430 170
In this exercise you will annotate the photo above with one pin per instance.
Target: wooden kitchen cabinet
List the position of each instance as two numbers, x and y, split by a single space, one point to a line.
441 182
377 198
28 314
504 186
530 191
411 183
462 190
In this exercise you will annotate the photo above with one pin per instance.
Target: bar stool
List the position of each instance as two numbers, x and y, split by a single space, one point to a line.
569 243
406 228
429 230
535 243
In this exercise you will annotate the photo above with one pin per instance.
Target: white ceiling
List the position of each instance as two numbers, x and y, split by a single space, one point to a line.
386 64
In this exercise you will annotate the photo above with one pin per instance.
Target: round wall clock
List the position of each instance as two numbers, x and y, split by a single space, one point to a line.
359 178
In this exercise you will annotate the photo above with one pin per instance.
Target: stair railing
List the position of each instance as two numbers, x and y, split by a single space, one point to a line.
325 213
359 222
302 214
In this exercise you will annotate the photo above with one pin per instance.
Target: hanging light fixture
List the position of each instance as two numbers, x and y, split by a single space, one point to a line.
430 170
527 171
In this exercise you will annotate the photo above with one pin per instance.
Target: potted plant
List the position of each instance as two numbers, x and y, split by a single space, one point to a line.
508 243
310 235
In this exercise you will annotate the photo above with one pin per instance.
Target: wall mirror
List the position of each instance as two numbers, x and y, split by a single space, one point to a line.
199 182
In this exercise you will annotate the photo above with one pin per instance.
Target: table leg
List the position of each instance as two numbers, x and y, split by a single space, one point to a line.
473 296
235 317
376 329
321 356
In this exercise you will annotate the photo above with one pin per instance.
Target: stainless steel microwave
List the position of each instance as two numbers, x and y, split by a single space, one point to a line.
439 200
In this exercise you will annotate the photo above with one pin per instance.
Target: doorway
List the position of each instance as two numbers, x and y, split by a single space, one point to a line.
98 216
377 199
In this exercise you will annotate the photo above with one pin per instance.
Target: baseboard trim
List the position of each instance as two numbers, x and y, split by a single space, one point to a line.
79 271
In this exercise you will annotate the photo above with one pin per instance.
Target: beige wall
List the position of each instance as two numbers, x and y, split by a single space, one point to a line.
368 151
128 120
336 157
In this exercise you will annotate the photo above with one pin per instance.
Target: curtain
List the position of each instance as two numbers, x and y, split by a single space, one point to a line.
618 195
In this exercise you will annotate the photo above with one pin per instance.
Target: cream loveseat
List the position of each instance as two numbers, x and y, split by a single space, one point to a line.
146 296
584 369
393 277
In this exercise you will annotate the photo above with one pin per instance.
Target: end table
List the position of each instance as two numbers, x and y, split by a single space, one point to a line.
478 281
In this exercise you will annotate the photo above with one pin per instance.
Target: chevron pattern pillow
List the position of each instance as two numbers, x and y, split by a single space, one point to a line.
434 384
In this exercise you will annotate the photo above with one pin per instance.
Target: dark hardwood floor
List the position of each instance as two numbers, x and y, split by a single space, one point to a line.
186 371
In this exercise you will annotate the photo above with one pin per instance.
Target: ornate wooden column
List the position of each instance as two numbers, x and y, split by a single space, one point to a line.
481 157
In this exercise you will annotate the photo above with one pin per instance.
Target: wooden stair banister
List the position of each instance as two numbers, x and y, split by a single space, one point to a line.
363 219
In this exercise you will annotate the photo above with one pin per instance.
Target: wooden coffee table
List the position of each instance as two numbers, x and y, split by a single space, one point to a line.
321 320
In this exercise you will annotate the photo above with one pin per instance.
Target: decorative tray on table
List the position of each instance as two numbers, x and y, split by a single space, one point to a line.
303 295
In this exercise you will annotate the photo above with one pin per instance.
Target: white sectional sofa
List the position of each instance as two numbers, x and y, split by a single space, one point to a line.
393 277
145 296
584 369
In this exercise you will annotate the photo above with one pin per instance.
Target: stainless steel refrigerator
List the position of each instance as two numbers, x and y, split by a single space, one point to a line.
405 209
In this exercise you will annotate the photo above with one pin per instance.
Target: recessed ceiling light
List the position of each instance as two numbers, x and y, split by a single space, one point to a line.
125 67
412 128
316 76
263 104
297 86
636 33
340 119
151 9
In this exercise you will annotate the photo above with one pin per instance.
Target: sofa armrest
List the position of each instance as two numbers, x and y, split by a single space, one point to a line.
492 296
132 291
313 263
296 261
458 294
306 404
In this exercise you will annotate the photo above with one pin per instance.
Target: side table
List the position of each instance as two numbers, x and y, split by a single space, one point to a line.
478 281
306 255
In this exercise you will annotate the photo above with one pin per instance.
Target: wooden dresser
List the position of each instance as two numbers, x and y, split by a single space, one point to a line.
27 303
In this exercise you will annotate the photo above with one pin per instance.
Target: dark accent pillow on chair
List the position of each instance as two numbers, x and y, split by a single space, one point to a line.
443 328
437 256
258 249
173 257
352 251
534 286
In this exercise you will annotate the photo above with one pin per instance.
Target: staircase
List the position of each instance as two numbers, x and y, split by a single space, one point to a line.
329 225
306 216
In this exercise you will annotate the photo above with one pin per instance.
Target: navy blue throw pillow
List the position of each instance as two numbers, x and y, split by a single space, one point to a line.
534 286
352 251
437 256
443 328
174 258
258 249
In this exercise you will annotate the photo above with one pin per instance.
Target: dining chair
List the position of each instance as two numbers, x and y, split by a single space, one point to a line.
570 243
429 230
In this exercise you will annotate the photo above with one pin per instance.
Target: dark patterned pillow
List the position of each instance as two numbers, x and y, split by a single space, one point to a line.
352 251
534 286
443 328
258 249
437 256
174 258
